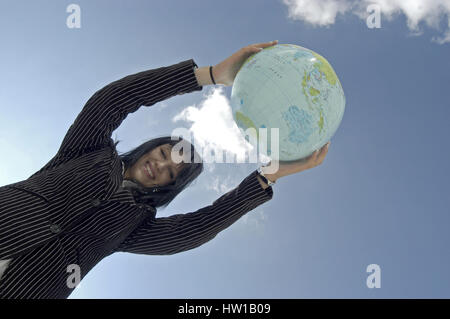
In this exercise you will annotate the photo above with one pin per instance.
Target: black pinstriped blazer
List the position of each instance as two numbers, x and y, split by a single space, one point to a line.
73 211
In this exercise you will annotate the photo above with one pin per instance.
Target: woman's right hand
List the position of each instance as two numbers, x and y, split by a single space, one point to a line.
289 168
225 72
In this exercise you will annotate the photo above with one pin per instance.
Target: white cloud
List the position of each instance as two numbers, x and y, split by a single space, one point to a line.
445 38
316 12
210 167
162 105
417 12
254 220
222 184
214 129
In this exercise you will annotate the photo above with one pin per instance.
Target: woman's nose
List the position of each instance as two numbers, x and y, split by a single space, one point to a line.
161 165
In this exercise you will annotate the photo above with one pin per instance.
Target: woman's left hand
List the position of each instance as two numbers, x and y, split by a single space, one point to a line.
288 168
225 72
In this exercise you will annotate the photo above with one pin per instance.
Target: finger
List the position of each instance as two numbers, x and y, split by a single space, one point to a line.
264 44
315 156
312 157
323 152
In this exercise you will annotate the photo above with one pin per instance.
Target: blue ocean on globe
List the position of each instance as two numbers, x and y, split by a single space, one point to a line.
291 88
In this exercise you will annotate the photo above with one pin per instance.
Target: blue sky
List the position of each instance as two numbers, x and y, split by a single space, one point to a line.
380 196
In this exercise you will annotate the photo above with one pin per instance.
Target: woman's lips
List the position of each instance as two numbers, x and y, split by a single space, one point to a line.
151 168
146 171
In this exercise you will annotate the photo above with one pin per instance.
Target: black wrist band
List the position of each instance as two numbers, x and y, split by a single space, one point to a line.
210 73
264 179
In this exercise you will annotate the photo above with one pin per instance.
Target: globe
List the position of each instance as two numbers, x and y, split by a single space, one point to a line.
291 88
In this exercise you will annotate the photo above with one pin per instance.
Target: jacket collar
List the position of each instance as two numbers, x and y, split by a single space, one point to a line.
126 196
122 194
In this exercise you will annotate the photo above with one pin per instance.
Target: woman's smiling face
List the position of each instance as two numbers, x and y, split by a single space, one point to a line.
155 168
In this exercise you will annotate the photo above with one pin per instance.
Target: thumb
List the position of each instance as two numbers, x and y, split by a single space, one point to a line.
252 50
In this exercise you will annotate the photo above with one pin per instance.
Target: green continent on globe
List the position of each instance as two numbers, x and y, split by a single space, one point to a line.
320 123
304 82
325 68
304 79
313 91
244 121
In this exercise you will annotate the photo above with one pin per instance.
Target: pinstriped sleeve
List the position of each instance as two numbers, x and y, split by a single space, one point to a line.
181 232
109 106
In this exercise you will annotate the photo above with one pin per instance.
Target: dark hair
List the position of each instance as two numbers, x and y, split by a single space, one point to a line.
161 196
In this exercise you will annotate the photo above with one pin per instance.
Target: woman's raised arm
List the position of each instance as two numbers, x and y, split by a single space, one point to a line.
181 232
109 106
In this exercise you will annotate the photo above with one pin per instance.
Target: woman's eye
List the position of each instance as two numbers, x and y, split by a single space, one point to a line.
163 154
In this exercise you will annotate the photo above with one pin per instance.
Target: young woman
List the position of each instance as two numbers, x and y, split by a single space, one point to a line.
88 202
